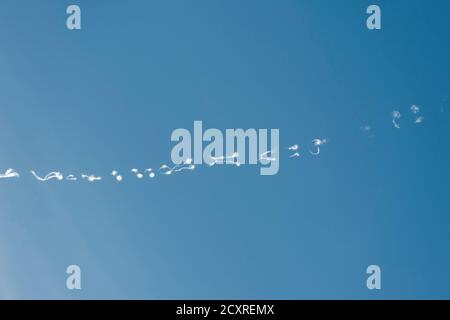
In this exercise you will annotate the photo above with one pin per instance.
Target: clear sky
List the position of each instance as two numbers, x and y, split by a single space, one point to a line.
108 97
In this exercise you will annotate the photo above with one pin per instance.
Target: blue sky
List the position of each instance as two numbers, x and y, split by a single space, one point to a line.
109 96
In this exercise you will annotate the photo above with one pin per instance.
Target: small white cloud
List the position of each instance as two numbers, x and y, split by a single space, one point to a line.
419 119
414 109
395 116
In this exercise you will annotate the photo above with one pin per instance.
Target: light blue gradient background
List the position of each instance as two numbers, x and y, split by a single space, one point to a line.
108 97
